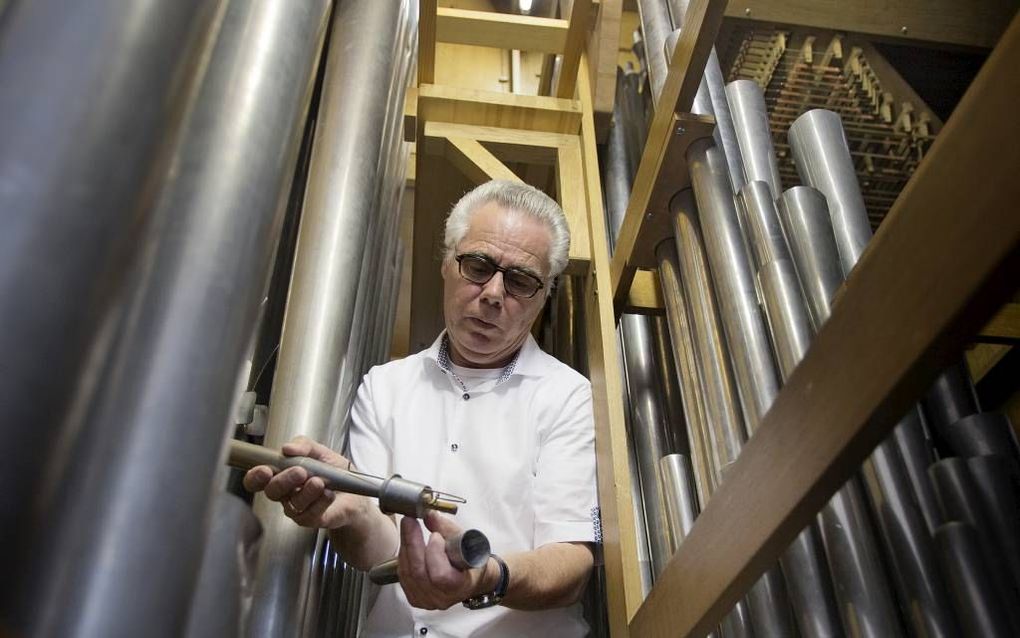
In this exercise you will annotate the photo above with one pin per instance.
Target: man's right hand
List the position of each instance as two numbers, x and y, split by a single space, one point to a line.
304 498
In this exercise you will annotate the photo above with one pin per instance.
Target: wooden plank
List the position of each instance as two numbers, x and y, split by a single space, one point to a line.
570 186
501 30
577 38
686 68
411 114
1004 326
505 110
983 357
619 538
976 23
863 370
603 48
427 42
645 296
475 161
509 145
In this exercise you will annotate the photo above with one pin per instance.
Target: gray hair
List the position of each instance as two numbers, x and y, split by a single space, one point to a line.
518 197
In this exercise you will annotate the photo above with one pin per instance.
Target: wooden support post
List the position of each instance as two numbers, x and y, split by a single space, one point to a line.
427 42
619 539
577 39
863 369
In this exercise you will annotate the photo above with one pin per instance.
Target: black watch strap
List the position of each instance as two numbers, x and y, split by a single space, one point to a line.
495 596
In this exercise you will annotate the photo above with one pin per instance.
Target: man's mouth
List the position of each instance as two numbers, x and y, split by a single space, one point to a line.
482 324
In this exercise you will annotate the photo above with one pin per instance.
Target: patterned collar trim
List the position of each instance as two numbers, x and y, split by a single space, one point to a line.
443 359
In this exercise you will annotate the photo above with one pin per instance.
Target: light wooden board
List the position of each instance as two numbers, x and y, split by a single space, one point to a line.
505 110
928 281
577 38
501 30
427 42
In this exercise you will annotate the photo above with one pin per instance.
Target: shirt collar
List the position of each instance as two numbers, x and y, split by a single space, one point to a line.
526 361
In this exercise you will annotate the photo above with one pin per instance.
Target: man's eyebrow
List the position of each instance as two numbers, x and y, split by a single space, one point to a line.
523 269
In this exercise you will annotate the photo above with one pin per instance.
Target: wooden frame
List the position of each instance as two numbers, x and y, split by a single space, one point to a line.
977 23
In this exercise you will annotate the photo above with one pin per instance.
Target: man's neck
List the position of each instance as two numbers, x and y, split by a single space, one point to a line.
458 359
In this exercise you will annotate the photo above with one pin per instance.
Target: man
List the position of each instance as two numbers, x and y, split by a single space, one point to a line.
483 414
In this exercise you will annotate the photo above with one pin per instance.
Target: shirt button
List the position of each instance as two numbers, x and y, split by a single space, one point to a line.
453 447
423 630
466 396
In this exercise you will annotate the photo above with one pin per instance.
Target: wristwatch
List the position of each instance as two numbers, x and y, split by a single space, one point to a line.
494 597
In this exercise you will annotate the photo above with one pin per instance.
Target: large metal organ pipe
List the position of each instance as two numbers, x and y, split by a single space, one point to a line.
83 139
165 366
342 193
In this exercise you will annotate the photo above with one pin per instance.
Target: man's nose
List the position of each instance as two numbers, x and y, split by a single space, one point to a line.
493 291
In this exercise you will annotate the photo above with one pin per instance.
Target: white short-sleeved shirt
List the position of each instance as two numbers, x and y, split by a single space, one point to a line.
518 447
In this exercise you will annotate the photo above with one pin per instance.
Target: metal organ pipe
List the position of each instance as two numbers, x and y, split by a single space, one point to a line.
84 140
163 392
341 195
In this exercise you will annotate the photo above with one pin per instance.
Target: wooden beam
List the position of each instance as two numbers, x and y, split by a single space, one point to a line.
411 114
863 370
645 296
505 110
570 186
577 39
983 357
666 144
976 23
475 161
1004 326
619 539
509 145
501 30
427 42
603 54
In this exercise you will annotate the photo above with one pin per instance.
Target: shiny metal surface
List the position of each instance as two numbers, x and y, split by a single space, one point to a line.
655 27
788 321
751 126
997 479
864 596
961 499
649 427
746 336
685 364
766 599
681 505
950 398
340 198
916 452
922 595
725 432
810 586
865 599
982 434
823 162
158 410
981 611
764 229
808 231
222 598
725 136
85 137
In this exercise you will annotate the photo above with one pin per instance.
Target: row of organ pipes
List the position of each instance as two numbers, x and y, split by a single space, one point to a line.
200 202
925 539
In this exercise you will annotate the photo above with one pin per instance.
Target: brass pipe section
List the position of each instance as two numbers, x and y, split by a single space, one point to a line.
466 550
396 495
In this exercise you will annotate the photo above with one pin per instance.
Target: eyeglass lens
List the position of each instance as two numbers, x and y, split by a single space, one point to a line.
479 270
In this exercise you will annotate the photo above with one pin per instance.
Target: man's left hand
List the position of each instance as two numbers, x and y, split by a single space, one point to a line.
428 578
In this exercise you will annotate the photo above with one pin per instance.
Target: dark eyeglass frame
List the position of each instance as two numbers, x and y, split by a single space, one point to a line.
495 269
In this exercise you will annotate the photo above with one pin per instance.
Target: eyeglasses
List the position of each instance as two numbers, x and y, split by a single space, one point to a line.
479 269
